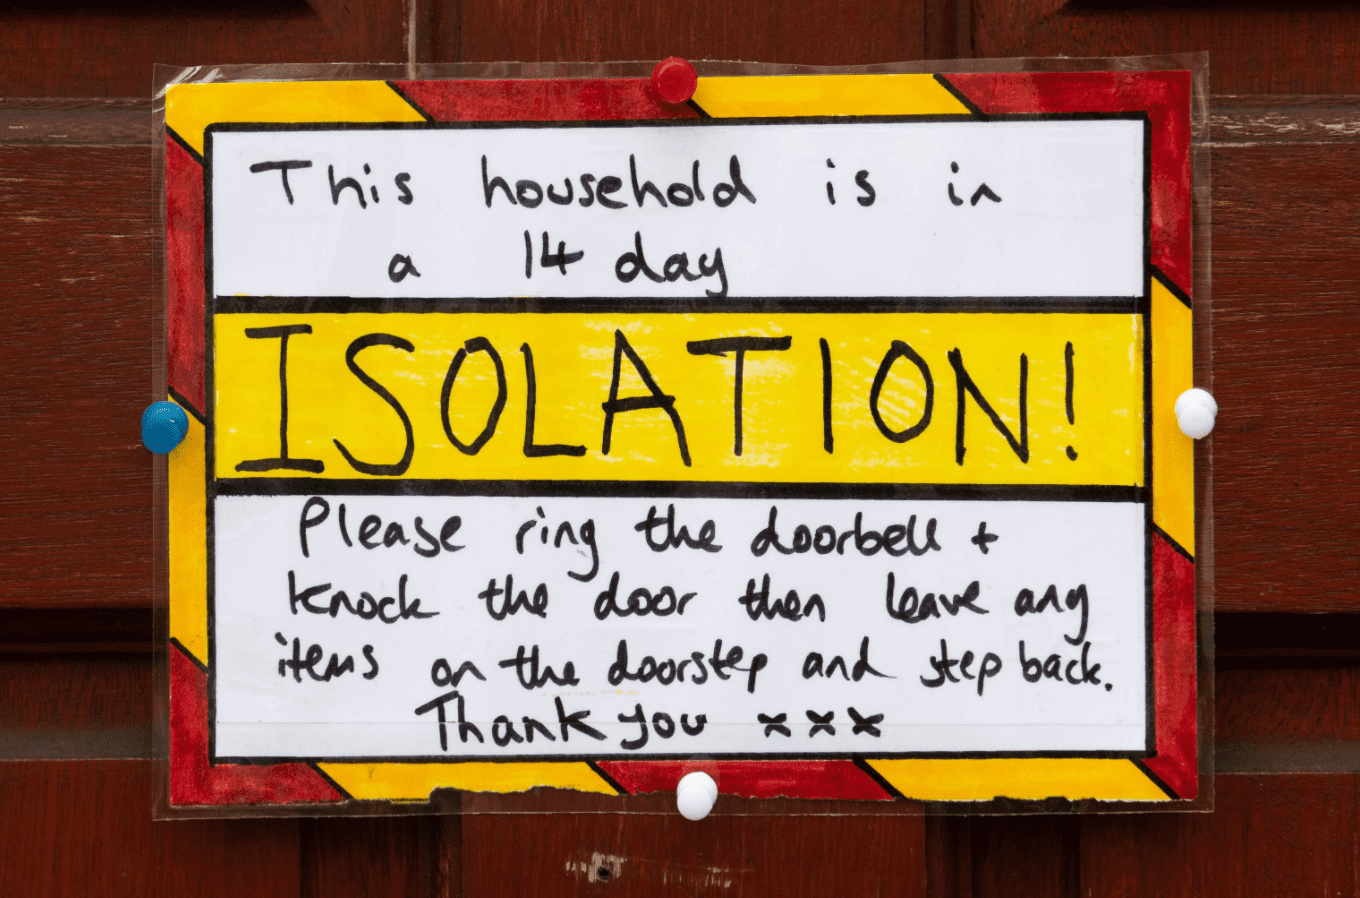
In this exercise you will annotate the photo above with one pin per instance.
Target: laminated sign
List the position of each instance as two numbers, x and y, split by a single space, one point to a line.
816 433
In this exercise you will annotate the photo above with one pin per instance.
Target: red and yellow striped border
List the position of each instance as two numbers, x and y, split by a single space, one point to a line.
1171 773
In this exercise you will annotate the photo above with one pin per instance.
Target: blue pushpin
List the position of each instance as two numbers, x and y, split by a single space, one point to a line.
164 426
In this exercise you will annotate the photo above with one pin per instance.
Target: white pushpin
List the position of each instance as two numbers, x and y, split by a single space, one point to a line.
1196 411
695 795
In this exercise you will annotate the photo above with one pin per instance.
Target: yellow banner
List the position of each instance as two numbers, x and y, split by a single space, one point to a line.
824 397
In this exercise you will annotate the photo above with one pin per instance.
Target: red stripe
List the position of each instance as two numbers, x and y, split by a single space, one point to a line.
752 779
193 782
1173 610
184 271
581 99
1165 96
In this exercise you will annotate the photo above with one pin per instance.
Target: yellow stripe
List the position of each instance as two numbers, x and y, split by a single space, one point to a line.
982 779
190 108
781 397
1173 453
188 544
415 782
788 95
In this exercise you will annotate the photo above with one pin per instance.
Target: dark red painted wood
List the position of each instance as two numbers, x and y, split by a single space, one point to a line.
1276 835
68 48
369 857
83 828
816 32
1255 48
589 854
79 227
78 211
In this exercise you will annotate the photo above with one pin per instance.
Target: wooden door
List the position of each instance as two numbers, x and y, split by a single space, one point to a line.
78 213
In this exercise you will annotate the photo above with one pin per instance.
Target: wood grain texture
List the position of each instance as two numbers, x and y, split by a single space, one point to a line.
948 29
75 122
77 209
1268 835
819 32
109 51
1290 714
368 857
1249 120
75 706
1286 240
79 223
1025 855
448 849
1254 48
667 855
84 828
949 857
81 630
1288 705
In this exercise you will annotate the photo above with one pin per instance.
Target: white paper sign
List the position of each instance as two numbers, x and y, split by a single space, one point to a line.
951 209
380 618
725 643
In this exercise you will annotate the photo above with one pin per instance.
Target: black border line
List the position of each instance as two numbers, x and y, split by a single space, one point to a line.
209 443
188 654
1172 287
1149 615
1156 780
174 135
703 113
1180 550
813 755
893 791
188 406
676 123
412 103
330 780
1142 494
961 97
604 775
625 305
675 489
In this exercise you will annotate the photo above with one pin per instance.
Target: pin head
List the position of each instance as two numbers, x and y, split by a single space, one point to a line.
674 80
164 426
1196 411
695 795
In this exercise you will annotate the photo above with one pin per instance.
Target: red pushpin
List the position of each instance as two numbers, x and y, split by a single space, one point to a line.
674 80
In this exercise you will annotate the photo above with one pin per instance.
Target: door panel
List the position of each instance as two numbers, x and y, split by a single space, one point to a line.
77 208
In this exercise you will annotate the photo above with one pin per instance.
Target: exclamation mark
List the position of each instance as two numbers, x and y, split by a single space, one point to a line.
828 441
1071 412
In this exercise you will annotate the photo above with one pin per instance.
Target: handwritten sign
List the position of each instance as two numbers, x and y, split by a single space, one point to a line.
567 445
